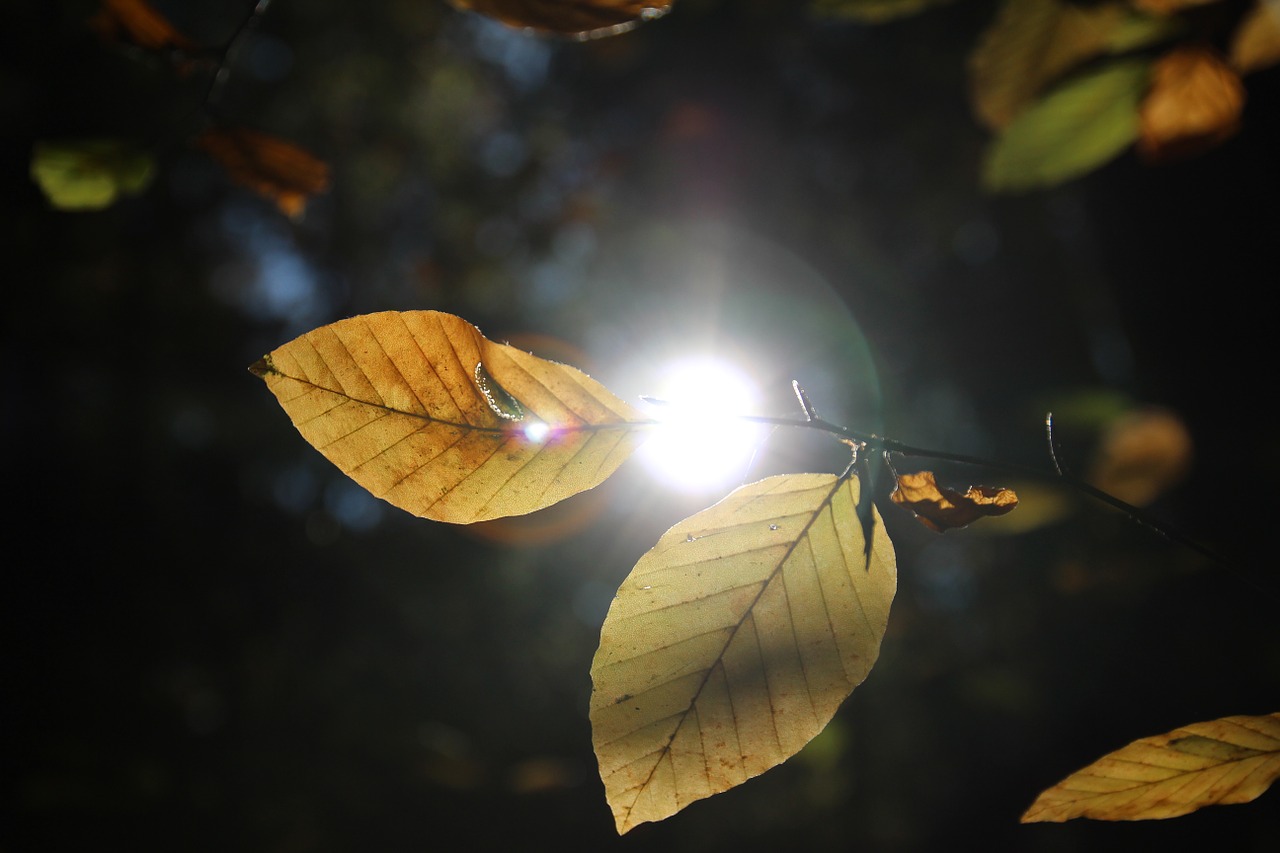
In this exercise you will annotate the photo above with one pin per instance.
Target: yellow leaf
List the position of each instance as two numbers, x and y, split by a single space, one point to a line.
941 509
1256 43
1033 43
586 18
1196 101
426 413
732 643
1231 760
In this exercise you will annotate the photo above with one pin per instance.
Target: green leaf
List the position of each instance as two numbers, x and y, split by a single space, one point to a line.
734 640
89 174
1076 127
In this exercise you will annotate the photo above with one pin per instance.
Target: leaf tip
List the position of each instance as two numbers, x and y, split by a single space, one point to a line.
263 367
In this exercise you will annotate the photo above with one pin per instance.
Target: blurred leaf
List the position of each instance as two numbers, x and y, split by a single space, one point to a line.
1256 43
1169 7
732 643
941 509
1231 760
1195 103
584 18
137 22
1032 43
426 413
1141 455
1076 127
872 11
270 166
89 174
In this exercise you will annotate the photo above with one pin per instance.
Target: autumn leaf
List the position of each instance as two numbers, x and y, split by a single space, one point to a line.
1231 760
1195 103
941 509
1033 43
270 166
1077 126
1256 42
426 413
89 174
1169 7
872 11
137 22
1141 455
734 640
584 18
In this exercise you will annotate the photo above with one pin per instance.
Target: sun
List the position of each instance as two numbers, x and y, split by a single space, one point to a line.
700 444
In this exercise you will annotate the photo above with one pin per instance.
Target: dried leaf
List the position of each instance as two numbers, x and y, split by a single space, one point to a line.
1141 455
941 509
1231 760
582 18
1079 125
1195 103
1256 43
1033 43
137 22
732 643
872 11
90 174
270 166
426 413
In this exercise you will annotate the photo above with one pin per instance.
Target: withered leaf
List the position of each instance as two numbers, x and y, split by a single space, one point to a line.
426 413
270 166
941 509
1195 103
1140 455
1230 760
582 18
1168 7
137 22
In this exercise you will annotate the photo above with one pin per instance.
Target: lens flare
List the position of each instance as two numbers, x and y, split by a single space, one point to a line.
700 444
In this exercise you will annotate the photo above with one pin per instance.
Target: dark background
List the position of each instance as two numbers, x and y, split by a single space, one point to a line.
217 642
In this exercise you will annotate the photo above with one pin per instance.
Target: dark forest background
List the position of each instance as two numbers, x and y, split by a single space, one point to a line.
216 642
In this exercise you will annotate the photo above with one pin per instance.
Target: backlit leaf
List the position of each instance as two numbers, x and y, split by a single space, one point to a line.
1079 125
89 174
1169 7
732 643
584 18
1231 760
137 22
1195 103
1033 43
941 509
268 165
1141 455
1256 43
426 413
872 11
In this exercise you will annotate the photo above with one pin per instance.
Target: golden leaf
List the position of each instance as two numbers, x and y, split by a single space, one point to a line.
941 509
585 18
136 21
734 640
1195 103
1256 42
426 413
1141 455
268 165
1033 43
1231 760
1168 7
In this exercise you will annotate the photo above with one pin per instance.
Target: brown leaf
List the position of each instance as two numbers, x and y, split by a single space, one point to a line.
270 166
1256 43
1141 455
941 509
1231 760
583 18
1168 7
1195 103
135 21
